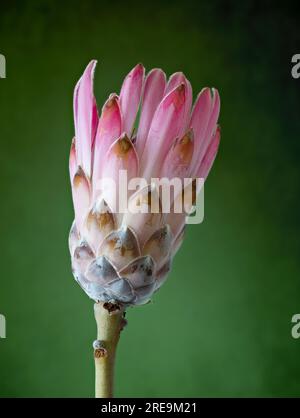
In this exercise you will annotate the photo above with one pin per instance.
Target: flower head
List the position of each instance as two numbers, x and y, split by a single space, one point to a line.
124 256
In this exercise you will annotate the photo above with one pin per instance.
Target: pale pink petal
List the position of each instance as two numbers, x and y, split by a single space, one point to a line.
159 245
83 256
214 116
154 88
109 129
81 198
199 121
85 118
120 156
211 127
165 128
73 238
210 155
72 161
130 97
175 80
99 222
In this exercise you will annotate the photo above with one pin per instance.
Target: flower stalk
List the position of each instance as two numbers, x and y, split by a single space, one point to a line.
110 322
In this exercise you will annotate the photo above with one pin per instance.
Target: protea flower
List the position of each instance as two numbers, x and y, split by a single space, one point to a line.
121 259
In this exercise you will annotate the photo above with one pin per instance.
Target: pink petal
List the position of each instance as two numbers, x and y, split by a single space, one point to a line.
179 157
72 161
85 117
109 129
199 122
130 97
99 222
210 128
175 80
210 155
120 156
155 85
81 198
165 127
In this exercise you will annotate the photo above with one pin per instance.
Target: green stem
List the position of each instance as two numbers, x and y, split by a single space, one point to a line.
110 321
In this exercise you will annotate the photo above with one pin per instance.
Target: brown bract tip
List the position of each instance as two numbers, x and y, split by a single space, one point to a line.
79 177
184 147
187 137
123 146
111 101
179 98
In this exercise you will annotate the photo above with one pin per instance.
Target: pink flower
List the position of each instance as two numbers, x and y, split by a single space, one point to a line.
124 258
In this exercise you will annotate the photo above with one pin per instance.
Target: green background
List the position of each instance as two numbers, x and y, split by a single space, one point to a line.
221 325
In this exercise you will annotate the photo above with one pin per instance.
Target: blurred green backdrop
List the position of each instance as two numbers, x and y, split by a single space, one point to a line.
221 326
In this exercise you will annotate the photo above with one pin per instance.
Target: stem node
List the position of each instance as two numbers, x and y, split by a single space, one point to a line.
110 321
